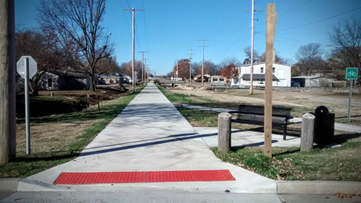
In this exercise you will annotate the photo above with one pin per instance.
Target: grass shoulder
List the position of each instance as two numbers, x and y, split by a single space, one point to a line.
338 163
59 138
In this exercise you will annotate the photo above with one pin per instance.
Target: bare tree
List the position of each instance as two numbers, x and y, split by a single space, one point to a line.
346 43
211 68
107 65
196 68
79 21
309 58
127 68
278 59
42 47
247 51
228 61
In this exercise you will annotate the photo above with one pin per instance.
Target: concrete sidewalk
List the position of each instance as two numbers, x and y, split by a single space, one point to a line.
151 135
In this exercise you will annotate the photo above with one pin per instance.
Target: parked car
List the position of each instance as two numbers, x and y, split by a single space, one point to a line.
101 81
295 84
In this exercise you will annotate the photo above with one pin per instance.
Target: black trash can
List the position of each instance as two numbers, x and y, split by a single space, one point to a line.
324 125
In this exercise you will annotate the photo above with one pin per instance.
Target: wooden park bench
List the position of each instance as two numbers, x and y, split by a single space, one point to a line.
254 115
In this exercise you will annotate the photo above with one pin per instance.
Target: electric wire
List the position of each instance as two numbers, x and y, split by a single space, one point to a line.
130 33
145 28
311 23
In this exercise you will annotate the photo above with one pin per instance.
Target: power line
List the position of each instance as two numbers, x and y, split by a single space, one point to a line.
230 33
226 25
319 20
233 43
126 1
130 34
239 47
138 42
292 39
282 14
145 30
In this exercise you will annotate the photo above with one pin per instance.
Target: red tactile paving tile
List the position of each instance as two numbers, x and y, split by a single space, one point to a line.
100 177
143 177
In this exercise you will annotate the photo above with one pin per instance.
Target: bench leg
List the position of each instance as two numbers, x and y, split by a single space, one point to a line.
285 131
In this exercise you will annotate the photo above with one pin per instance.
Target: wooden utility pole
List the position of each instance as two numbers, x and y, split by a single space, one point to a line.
271 29
133 45
143 65
145 71
7 82
203 61
252 47
190 67
252 43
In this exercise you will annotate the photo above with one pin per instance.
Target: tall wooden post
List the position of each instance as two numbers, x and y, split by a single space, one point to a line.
7 82
271 28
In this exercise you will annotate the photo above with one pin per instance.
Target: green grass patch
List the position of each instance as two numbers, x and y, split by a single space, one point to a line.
336 164
67 148
200 118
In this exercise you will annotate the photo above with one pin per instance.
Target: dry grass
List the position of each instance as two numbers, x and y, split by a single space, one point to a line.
59 138
50 137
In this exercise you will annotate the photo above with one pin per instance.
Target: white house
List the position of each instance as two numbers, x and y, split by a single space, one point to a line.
281 75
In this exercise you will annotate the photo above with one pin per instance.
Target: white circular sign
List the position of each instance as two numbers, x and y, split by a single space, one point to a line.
20 66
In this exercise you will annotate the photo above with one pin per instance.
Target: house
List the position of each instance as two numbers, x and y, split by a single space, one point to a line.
58 80
281 75
313 81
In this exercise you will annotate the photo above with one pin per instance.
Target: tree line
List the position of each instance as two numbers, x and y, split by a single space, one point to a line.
312 59
345 51
71 38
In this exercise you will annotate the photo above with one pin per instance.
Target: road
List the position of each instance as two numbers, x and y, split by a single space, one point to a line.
161 195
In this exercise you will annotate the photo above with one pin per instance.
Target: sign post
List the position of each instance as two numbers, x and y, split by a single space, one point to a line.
351 74
27 67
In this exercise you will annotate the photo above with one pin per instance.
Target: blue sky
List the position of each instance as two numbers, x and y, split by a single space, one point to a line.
168 29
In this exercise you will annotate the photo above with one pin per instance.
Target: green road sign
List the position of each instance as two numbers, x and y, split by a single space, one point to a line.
351 73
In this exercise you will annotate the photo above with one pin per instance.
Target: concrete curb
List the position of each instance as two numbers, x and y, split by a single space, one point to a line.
18 184
283 187
34 185
318 187
9 184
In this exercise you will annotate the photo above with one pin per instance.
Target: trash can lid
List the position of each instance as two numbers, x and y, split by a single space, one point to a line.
321 109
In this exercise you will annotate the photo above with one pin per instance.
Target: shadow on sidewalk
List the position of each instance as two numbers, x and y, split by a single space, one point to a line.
161 140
